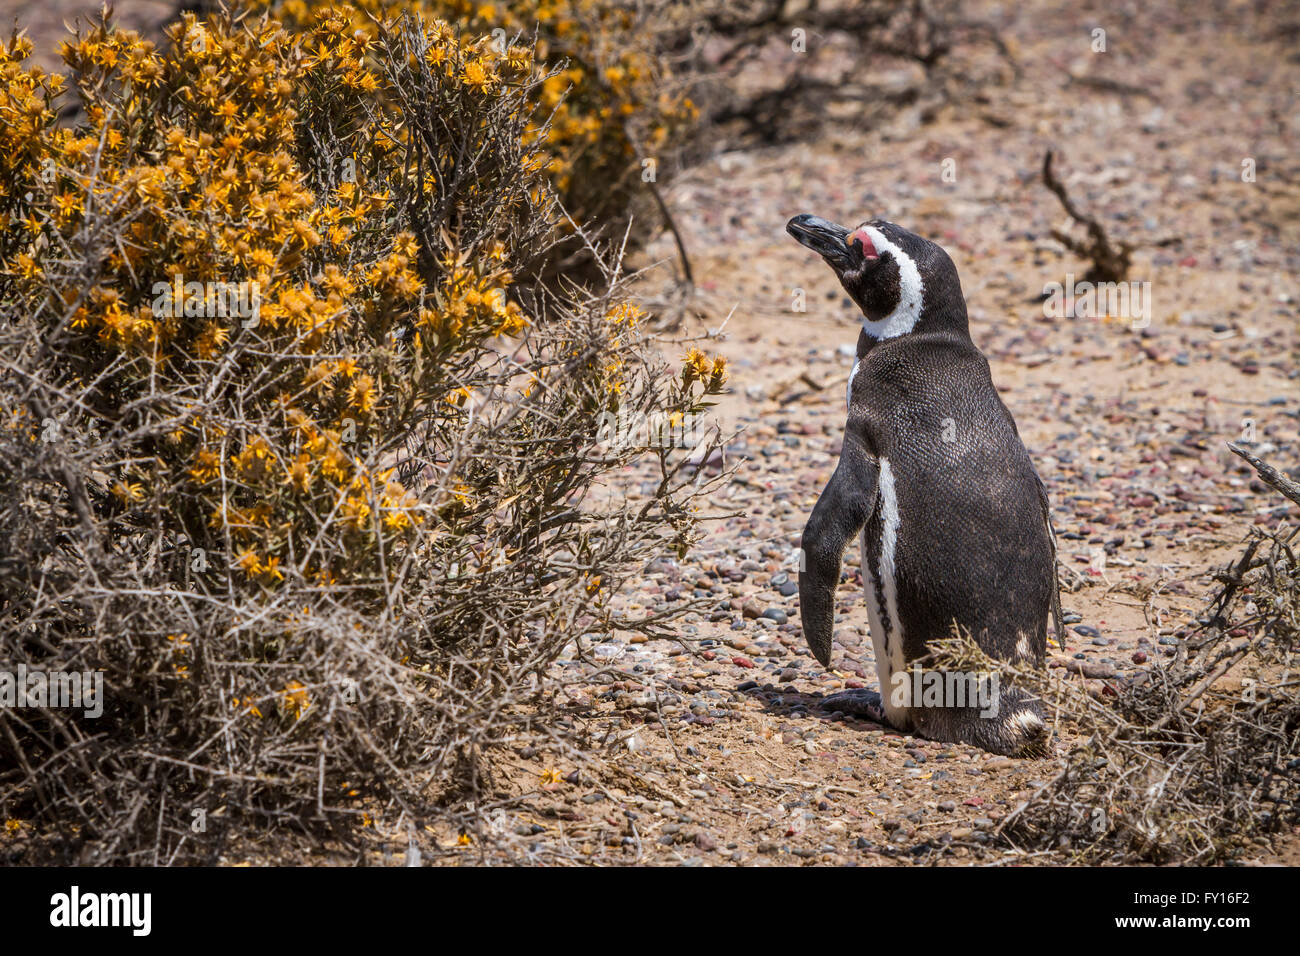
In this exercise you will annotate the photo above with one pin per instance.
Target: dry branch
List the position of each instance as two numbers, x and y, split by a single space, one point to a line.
1110 262
1270 475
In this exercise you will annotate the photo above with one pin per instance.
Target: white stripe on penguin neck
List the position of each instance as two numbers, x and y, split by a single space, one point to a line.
911 292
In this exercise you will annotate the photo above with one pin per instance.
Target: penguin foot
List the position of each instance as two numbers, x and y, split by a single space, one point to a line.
861 703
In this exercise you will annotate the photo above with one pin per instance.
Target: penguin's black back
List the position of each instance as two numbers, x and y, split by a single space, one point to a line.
972 543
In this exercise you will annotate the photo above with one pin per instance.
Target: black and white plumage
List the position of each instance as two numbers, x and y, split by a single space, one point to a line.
935 480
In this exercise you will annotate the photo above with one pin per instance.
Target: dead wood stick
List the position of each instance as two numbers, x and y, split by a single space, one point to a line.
1269 474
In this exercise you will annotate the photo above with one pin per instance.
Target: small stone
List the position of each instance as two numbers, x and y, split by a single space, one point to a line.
1094 670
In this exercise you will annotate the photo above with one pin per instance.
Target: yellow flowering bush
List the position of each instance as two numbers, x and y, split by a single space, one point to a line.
296 446
612 113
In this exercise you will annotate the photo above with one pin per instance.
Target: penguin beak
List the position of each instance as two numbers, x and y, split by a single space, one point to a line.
827 239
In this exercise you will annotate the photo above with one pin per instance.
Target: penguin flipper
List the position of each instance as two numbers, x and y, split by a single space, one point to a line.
837 518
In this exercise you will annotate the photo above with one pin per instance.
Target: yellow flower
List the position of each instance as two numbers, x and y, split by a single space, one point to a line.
625 313
361 394
519 58
697 367
271 569
262 260
719 374
128 491
298 474
477 74
68 203
27 267
396 519
248 704
206 466
404 244
355 511
249 563
295 699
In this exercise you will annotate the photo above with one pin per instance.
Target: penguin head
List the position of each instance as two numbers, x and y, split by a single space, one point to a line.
901 282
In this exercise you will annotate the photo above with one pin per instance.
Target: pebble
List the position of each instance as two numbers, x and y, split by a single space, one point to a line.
1096 670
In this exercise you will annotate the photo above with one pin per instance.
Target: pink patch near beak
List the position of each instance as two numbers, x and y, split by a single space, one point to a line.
868 248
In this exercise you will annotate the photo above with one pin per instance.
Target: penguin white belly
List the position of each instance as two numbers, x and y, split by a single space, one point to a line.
887 643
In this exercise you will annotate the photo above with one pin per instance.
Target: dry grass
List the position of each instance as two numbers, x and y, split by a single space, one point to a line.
1187 762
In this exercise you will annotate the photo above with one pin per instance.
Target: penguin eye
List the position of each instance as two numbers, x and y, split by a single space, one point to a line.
861 237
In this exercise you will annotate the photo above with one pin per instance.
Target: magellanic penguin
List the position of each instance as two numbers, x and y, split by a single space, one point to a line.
953 518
